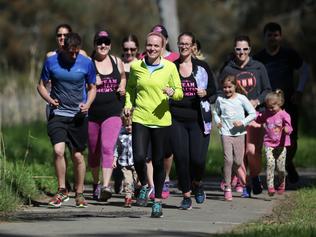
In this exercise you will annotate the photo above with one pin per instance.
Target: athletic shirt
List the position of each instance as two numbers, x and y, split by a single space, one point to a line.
68 83
187 109
107 102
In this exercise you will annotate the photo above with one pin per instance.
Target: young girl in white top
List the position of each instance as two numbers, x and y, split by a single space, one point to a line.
277 124
229 116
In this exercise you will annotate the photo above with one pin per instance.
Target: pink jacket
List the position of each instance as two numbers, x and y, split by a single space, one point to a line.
274 124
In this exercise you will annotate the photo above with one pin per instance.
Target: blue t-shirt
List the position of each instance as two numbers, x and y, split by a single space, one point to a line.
68 83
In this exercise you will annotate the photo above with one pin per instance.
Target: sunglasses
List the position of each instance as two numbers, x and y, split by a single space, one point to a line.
101 41
241 49
60 35
129 49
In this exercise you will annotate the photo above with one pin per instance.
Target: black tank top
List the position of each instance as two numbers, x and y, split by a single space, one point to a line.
107 102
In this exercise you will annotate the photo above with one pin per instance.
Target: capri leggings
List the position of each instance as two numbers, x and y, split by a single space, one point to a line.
189 146
101 141
142 135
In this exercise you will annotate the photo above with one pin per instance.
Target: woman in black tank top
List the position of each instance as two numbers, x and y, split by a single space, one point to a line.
104 114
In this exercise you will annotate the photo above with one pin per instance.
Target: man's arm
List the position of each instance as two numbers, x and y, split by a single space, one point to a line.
42 90
91 96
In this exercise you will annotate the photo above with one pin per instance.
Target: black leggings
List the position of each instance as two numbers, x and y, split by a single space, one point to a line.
189 146
142 135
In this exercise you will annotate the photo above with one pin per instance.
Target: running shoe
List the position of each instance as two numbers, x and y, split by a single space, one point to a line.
128 202
96 191
228 194
151 193
186 203
81 201
281 188
256 185
60 197
199 194
156 210
246 193
106 194
271 191
142 198
165 190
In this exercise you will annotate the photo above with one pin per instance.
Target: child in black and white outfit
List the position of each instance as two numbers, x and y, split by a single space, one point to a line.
123 158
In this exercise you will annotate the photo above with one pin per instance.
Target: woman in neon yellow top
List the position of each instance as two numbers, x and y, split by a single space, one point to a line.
151 82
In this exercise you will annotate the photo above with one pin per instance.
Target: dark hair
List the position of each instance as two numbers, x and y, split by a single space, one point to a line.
72 40
190 34
233 80
242 38
272 26
130 37
68 27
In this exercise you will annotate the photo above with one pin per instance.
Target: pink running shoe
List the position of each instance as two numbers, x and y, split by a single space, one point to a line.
281 188
271 191
151 193
165 190
228 194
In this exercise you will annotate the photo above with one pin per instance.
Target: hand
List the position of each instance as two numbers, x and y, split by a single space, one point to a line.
219 125
286 130
127 112
255 103
201 92
121 91
168 91
114 165
84 108
237 124
54 103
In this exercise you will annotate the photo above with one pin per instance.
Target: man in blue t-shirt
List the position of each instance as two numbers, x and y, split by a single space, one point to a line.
281 63
72 78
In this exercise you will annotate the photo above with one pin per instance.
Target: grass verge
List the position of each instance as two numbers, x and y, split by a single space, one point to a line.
294 216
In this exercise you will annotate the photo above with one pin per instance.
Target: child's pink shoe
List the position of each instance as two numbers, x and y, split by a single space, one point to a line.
228 194
281 188
271 191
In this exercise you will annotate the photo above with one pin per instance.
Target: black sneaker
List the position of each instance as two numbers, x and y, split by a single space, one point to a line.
106 194
256 185
186 204
142 198
199 194
156 210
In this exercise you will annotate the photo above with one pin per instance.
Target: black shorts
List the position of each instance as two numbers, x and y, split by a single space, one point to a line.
72 131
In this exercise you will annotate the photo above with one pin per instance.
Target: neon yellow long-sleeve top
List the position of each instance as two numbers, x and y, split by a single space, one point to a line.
144 93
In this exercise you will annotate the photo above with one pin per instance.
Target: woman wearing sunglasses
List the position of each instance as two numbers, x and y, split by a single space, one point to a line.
104 114
130 47
253 78
61 31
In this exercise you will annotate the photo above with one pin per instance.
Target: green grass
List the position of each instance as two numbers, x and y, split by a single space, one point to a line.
294 217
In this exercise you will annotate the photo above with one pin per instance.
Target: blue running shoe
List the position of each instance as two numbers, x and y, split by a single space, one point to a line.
142 198
156 211
186 204
256 185
199 194
246 192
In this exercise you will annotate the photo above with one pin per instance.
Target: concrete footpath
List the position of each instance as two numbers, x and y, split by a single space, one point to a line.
112 219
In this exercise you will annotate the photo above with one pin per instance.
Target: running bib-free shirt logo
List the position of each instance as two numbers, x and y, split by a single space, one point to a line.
108 84
247 80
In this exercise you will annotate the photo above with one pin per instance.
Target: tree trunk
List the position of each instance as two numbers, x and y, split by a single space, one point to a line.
169 18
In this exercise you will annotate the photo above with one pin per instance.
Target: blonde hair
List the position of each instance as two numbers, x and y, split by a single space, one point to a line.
232 79
163 40
276 95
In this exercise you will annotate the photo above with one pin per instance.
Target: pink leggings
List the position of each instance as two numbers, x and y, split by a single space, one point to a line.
101 141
